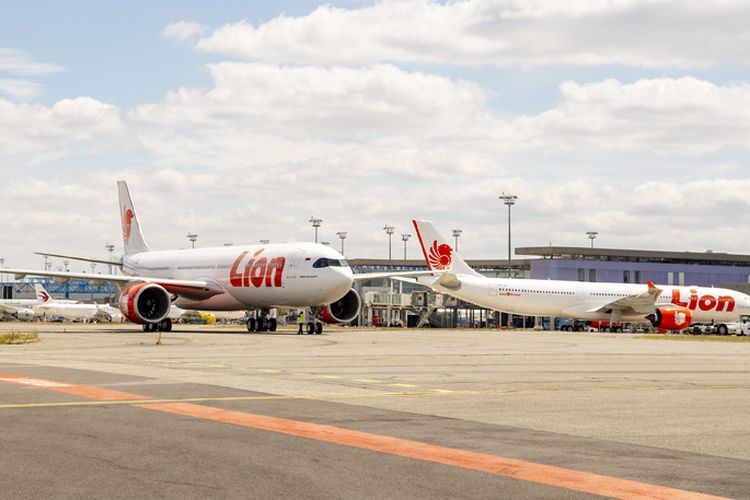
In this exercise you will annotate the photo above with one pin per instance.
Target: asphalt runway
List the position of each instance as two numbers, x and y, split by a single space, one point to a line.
217 413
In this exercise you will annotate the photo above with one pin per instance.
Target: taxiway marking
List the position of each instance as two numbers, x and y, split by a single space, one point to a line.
533 472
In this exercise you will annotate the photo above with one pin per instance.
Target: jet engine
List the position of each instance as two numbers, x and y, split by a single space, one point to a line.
343 310
671 318
25 314
145 303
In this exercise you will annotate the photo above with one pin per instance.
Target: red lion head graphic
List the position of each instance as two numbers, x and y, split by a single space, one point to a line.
440 256
128 225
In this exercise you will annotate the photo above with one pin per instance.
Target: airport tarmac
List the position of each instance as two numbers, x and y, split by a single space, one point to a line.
216 412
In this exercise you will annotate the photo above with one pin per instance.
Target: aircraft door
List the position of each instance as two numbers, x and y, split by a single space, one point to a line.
493 289
295 260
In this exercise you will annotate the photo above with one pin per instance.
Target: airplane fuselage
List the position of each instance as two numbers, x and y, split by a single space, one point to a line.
579 300
253 276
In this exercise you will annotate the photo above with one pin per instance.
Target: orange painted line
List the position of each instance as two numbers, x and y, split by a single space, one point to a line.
84 391
585 482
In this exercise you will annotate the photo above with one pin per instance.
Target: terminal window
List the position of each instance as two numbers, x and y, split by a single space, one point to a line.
582 275
592 274
637 277
626 276
670 278
681 278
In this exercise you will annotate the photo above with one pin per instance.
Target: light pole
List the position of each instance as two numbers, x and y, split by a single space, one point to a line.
510 200
2 263
193 238
592 237
405 238
342 237
109 247
389 230
316 224
456 234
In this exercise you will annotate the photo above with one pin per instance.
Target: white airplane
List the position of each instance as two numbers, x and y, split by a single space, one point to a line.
22 309
251 277
49 307
666 307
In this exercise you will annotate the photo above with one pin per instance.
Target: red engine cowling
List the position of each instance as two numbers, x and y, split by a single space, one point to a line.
145 303
343 310
671 318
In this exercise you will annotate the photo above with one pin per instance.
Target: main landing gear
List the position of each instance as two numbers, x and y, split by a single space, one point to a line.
164 325
262 323
314 328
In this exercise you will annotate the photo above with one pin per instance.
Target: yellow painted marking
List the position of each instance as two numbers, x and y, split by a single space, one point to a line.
232 398
328 376
367 381
268 370
402 385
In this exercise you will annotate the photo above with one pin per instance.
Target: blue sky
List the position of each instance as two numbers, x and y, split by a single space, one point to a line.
247 118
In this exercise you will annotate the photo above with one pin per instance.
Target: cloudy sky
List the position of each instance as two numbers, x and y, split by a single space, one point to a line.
239 122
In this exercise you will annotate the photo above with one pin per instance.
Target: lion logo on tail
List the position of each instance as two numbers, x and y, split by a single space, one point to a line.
128 225
440 256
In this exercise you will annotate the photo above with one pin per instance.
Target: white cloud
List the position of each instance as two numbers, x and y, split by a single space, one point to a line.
182 31
18 62
651 33
312 103
19 89
682 116
38 130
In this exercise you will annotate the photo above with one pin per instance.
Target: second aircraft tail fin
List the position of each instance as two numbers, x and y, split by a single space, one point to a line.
132 237
41 294
438 252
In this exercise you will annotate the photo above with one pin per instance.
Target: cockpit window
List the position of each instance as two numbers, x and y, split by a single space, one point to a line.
324 262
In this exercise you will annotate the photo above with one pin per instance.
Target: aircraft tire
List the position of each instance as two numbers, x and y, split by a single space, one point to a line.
146 327
272 324
722 330
310 328
164 325
318 328
251 325
262 324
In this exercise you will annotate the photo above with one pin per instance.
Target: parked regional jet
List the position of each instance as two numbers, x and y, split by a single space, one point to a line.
256 277
51 308
666 307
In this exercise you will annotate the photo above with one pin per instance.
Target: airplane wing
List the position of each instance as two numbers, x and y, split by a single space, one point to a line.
393 274
190 289
4 308
82 259
642 303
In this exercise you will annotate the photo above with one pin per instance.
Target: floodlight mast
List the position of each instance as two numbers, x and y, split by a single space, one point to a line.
592 236
315 224
389 231
509 200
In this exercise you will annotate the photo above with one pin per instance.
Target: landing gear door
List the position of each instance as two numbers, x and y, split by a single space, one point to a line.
295 261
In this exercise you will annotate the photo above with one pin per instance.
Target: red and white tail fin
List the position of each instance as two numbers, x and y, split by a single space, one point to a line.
438 252
41 294
132 237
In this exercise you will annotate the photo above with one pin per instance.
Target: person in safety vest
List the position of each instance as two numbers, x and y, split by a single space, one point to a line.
301 321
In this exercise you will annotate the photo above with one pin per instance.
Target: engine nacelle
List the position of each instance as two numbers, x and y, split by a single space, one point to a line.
145 303
343 310
24 314
671 318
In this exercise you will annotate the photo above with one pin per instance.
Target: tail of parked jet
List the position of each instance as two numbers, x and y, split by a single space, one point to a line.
438 252
41 294
132 237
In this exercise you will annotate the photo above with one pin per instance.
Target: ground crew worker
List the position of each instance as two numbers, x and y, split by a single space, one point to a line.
301 321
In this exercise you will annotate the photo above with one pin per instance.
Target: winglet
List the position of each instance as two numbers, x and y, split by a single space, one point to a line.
651 284
654 289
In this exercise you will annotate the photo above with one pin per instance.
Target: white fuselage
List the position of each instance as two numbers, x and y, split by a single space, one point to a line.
67 311
579 300
253 276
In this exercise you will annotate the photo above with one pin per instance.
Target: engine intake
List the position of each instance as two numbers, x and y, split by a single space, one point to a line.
343 310
145 303
671 318
25 314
